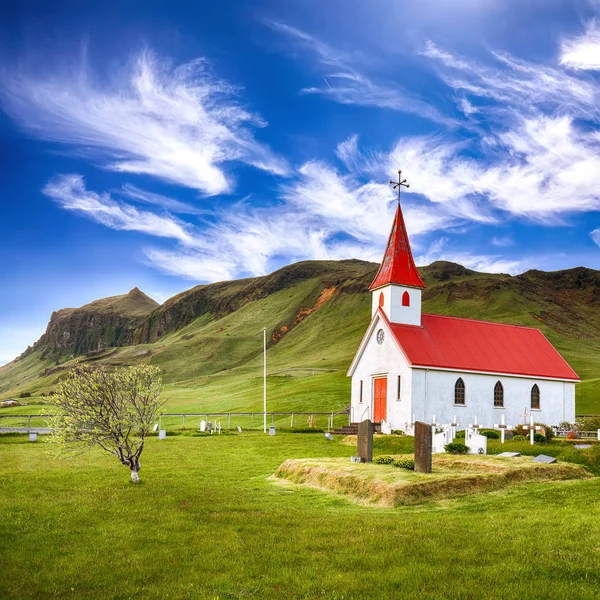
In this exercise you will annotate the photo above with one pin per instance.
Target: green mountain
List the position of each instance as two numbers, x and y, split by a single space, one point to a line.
208 340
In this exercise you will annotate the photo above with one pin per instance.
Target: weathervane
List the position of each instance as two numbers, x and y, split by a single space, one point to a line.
398 184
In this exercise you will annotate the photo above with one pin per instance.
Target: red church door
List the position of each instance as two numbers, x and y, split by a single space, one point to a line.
379 399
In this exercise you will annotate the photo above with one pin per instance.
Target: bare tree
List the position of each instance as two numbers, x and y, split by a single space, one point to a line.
112 409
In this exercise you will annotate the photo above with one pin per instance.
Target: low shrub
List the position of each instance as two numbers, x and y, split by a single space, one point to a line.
397 432
460 435
572 435
588 424
490 434
383 460
549 431
25 395
405 463
456 448
538 437
519 438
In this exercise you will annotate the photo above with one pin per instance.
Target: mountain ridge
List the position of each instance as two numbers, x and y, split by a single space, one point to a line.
315 313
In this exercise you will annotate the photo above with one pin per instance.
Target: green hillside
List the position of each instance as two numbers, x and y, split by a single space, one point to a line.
208 341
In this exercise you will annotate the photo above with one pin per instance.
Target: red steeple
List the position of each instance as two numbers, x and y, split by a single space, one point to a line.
398 265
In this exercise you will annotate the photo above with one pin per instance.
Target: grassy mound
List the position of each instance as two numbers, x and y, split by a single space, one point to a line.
455 476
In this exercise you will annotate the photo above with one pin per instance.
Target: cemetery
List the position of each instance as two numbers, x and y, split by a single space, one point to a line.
440 468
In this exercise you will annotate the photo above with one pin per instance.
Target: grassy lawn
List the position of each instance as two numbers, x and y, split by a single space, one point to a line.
206 522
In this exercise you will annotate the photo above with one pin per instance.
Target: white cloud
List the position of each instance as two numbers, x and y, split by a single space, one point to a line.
583 52
170 204
70 193
515 84
503 241
346 84
480 263
179 124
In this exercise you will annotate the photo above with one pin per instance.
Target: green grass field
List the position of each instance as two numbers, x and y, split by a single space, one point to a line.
207 522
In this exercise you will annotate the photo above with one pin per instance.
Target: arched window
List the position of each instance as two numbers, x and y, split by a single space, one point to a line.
535 397
498 395
459 391
405 299
381 299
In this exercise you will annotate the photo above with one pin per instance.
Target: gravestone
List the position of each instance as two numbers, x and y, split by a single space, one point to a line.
202 425
386 428
439 440
209 427
272 430
509 454
476 442
239 429
33 437
365 441
355 459
162 434
423 447
155 428
542 458
582 446
329 437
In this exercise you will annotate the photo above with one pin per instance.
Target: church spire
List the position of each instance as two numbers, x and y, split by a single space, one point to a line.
398 266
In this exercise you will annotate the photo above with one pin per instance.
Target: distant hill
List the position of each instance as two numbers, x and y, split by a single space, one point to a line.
102 324
208 340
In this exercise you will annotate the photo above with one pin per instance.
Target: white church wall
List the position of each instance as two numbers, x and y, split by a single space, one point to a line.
433 394
382 360
392 304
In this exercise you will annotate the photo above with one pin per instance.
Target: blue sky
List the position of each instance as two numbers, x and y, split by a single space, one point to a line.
165 144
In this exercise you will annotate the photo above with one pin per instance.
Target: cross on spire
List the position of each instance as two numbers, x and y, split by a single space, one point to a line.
399 184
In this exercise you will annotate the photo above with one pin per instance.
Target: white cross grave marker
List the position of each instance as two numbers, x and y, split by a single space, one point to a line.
502 427
475 425
453 427
532 429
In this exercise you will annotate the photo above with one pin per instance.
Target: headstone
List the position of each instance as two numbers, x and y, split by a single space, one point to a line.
386 428
329 437
423 447
239 429
542 458
599 435
365 441
155 428
202 425
355 459
209 427
476 442
438 442
162 434
509 454
272 430
532 429
582 446
502 426
33 437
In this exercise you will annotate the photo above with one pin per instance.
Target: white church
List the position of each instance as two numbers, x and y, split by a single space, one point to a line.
412 366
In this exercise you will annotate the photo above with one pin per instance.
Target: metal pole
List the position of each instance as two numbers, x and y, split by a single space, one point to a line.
265 379
229 421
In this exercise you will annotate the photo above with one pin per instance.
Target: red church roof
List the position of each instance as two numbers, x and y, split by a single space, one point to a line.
398 265
469 345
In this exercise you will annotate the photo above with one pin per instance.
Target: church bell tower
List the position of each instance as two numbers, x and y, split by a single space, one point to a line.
397 287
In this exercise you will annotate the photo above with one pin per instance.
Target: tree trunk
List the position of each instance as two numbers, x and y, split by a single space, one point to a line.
135 468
